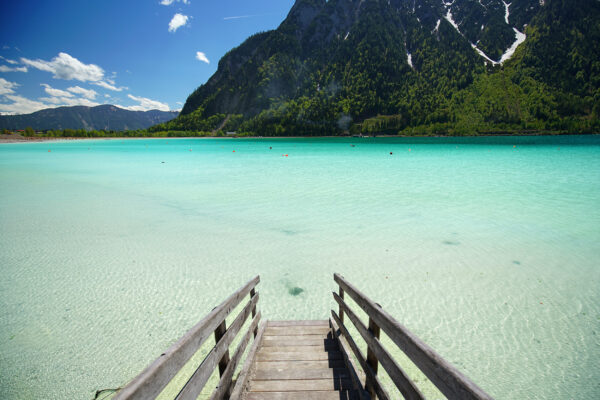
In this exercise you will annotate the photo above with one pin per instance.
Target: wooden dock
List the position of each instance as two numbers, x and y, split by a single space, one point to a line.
312 360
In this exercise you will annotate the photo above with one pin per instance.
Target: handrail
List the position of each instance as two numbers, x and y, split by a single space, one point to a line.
157 375
451 382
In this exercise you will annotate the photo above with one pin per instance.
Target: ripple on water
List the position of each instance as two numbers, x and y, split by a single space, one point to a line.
109 259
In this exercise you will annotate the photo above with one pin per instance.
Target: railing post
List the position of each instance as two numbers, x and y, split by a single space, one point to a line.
340 309
224 361
371 357
252 293
219 332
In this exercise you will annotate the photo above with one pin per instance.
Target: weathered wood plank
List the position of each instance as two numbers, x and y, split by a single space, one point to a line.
283 341
329 346
252 292
346 350
219 333
298 323
298 385
448 379
297 330
196 383
399 377
299 356
315 395
267 365
157 375
371 377
242 379
300 373
224 389
340 311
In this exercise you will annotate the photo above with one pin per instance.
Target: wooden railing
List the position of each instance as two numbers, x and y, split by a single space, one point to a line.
150 383
453 384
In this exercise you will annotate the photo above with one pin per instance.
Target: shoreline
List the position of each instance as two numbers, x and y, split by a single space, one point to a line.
13 139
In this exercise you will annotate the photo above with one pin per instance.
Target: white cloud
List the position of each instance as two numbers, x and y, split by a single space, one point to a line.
177 22
69 101
66 98
146 104
239 17
66 67
169 2
55 92
7 87
87 93
13 62
21 105
5 68
108 86
202 57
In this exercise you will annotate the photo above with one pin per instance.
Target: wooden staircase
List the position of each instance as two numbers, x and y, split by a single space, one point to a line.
308 360
299 360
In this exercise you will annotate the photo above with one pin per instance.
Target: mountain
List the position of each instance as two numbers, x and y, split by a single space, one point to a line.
430 66
105 117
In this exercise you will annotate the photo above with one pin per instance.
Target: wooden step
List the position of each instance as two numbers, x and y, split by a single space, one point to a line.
291 371
322 330
333 346
289 385
309 340
299 364
315 395
299 323
298 356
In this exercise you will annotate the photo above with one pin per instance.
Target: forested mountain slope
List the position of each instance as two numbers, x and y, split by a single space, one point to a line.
410 66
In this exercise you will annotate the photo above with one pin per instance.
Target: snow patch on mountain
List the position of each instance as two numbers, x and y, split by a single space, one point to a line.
448 17
482 54
507 11
519 38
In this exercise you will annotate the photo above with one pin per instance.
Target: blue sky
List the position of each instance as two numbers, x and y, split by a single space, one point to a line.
138 54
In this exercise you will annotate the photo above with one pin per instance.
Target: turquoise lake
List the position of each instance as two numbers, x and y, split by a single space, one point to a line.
486 248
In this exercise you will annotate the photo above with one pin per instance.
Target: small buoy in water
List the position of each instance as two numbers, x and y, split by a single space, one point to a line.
190 149
409 150
162 162
285 155
391 153
352 145
234 151
514 147
270 148
49 151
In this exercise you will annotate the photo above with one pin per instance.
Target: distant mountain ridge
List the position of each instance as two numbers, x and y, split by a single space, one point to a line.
105 117
458 66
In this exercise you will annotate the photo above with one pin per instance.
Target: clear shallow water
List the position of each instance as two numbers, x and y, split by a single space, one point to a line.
489 252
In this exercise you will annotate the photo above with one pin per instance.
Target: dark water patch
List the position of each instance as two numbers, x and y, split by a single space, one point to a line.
451 243
295 291
517 262
289 232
